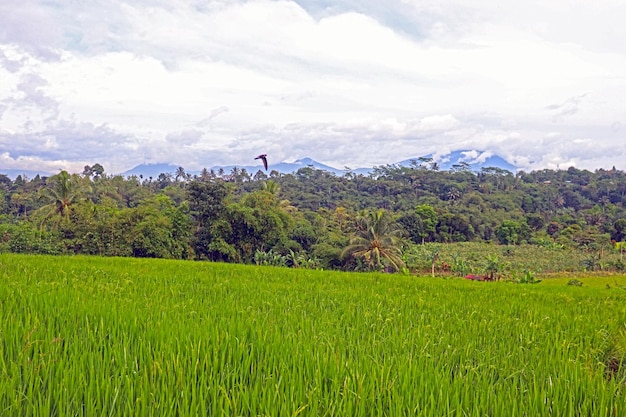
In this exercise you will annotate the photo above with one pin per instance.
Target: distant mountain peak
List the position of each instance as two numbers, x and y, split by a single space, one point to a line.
475 160
153 170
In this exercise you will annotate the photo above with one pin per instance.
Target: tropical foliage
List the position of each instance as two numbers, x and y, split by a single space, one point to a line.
376 241
343 222
61 192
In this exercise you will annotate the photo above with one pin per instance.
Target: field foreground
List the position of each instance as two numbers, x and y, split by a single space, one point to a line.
111 337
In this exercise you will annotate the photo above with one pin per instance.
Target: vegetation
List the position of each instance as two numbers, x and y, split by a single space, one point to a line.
102 336
317 217
110 336
376 240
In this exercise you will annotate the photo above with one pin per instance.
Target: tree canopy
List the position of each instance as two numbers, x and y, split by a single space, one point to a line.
310 214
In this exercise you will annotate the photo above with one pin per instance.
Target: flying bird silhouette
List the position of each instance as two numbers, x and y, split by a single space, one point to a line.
263 157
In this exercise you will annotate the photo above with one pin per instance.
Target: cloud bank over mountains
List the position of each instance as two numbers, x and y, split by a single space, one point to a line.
216 82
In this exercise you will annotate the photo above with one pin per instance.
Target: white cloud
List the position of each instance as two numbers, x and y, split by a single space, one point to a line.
438 122
349 83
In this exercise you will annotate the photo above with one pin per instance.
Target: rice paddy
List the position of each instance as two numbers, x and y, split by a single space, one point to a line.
87 336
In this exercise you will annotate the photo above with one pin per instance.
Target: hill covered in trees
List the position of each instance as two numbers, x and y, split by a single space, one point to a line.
312 218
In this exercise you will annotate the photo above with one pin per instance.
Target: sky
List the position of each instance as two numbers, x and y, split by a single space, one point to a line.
200 83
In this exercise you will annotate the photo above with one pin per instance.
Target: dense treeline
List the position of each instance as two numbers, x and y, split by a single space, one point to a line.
309 218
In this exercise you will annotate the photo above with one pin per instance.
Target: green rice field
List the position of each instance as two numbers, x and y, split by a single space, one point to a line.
89 336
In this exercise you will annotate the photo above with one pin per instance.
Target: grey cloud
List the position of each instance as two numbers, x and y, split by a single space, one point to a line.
43 29
31 86
29 102
32 25
328 142
214 113
325 142
11 65
71 141
357 146
184 138
566 108
174 32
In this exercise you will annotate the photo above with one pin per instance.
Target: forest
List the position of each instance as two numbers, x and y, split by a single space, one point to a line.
398 218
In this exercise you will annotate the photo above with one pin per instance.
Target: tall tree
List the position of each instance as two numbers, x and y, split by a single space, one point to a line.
61 192
377 241
271 187
427 220
180 173
207 204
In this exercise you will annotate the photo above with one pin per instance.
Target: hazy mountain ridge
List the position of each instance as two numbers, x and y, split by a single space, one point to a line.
475 160
151 170
25 173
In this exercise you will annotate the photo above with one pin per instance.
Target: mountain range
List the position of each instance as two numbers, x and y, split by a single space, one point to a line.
469 159
30 174
472 160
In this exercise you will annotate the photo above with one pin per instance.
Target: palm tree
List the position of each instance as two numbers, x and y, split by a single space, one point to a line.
271 187
376 241
63 190
453 194
180 173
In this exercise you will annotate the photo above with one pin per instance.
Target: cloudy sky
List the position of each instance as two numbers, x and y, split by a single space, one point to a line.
357 83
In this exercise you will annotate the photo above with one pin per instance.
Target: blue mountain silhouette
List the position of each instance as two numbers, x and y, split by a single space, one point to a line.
469 159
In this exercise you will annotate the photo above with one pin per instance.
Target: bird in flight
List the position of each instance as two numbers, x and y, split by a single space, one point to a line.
263 157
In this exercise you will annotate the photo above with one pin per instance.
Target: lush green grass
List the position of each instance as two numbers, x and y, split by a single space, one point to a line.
110 337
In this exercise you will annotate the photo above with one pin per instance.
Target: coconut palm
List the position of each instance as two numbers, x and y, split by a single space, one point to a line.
62 191
376 241
271 187
180 173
